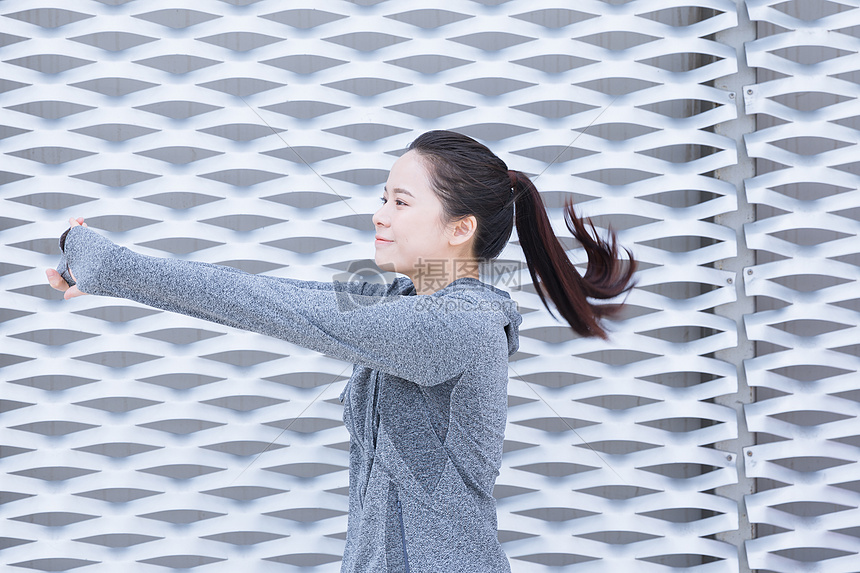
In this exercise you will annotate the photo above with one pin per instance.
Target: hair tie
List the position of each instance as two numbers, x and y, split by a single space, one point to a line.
513 176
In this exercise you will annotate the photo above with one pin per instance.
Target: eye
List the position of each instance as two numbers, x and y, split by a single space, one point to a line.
398 202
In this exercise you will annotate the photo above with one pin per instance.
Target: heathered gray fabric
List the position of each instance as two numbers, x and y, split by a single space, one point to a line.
425 406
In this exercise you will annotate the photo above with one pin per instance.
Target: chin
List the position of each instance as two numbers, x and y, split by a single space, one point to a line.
383 264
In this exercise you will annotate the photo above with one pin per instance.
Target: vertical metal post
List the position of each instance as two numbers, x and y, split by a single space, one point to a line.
736 174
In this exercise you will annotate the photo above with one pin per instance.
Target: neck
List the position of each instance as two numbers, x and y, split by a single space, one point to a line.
432 275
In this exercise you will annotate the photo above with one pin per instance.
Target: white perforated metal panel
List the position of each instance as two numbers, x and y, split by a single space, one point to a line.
806 281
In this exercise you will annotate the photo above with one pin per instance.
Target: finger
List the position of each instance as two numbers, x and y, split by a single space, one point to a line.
81 221
73 292
56 281
73 222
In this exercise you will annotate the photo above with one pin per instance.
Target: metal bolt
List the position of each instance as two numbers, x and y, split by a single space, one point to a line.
729 457
749 92
749 271
730 280
749 453
731 95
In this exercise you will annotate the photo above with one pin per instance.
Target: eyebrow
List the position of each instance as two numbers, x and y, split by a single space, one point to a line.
399 190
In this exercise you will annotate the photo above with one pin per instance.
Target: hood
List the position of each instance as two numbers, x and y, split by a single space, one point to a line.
502 300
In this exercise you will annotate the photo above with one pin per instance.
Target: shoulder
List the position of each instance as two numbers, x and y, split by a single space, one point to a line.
482 302
476 291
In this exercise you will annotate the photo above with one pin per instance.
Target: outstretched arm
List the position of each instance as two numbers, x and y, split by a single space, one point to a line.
403 335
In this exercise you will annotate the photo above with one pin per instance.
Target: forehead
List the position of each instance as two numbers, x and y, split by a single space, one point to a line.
409 176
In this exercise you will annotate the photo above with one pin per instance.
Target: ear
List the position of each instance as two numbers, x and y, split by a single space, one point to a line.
463 230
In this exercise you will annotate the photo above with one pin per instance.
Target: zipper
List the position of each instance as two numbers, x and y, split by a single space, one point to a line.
403 536
374 412
345 391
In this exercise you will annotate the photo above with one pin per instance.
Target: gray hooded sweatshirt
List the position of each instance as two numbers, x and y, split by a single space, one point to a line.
425 406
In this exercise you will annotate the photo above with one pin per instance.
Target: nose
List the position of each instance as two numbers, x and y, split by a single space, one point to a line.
380 219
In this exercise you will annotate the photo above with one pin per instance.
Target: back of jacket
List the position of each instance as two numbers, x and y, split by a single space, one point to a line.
424 457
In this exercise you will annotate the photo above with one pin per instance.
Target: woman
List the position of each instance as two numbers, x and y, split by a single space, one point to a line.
426 403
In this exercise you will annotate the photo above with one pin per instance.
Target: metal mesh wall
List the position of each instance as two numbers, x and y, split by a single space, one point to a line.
805 284
257 134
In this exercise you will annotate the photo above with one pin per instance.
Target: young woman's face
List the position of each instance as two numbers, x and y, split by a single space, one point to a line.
410 231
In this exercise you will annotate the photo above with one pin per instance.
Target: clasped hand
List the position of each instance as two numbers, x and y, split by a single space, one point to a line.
56 280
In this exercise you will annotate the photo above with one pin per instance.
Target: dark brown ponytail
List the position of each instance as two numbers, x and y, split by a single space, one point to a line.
471 180
555 276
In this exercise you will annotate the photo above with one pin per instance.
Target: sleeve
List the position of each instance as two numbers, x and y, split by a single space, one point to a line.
403 335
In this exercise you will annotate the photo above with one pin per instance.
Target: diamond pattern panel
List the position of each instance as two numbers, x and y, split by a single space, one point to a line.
257 135
805 281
